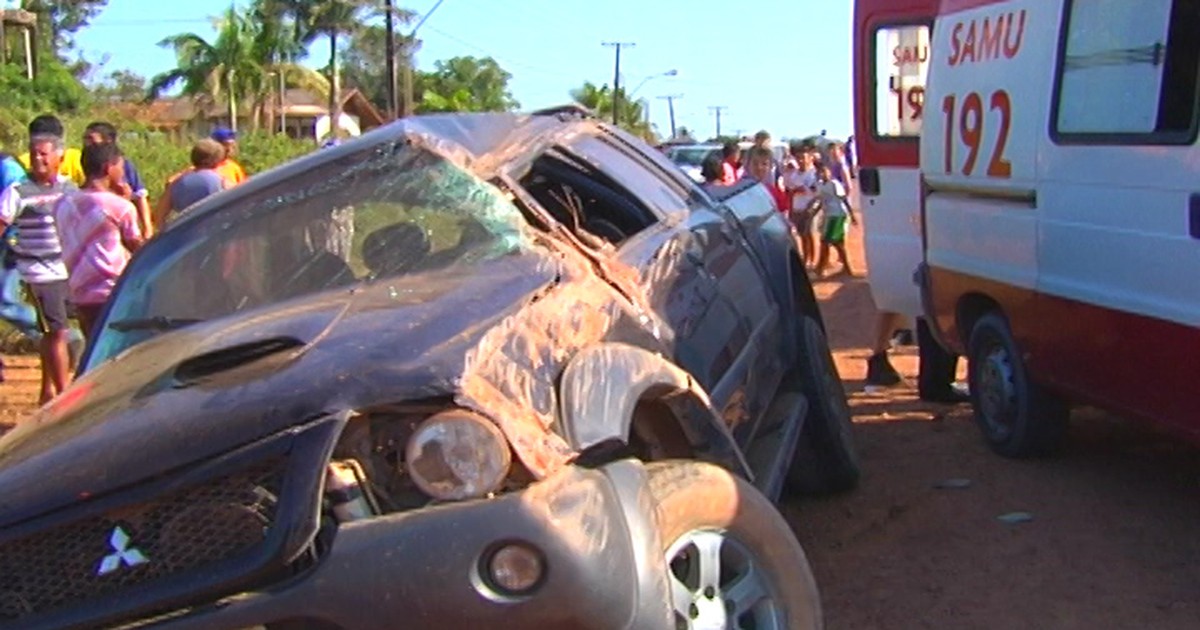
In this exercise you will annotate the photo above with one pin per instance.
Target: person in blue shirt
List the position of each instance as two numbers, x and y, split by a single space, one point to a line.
13 307
105 133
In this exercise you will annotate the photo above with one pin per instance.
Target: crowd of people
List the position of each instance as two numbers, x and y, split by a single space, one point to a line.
809 186
72 219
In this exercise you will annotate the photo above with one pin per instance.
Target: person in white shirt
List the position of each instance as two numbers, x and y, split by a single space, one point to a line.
29 205
835 209
800 183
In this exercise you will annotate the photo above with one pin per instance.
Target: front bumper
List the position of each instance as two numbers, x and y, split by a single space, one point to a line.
596 529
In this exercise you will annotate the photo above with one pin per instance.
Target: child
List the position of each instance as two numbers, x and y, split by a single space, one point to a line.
800 182
759 167
831 195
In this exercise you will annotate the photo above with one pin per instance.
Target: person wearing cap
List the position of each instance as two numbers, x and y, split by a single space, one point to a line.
229 168
194 184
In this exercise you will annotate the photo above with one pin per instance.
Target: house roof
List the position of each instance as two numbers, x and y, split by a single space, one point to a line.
296 102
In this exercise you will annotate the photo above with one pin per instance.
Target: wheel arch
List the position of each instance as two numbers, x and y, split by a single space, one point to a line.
616 392
971 307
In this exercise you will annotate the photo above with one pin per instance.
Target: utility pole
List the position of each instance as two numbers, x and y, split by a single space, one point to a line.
670 99
406 50
616 105
717 109
390 27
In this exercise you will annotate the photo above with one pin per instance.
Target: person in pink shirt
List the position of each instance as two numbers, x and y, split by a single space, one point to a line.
99 233
731 167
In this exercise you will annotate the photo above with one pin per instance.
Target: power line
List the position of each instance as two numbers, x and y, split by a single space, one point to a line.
149 22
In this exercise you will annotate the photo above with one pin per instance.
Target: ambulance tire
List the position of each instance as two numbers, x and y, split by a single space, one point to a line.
1018 417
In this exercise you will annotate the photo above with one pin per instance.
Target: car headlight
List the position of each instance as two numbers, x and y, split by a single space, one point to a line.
456 455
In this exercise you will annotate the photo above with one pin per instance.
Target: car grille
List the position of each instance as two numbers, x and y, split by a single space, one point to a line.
136 544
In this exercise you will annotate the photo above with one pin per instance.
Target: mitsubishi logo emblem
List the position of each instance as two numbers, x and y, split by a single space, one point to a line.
122 553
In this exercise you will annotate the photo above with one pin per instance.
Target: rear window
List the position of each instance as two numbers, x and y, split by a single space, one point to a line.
901 65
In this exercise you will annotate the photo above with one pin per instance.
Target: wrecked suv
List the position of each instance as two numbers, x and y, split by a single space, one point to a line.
464 371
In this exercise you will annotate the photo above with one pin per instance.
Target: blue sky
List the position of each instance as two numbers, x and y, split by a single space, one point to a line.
780 65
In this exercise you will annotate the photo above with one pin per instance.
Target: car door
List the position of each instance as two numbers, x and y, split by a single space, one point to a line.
725 347
740 266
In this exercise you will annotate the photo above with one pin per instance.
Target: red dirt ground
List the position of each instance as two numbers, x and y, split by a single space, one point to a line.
1115 536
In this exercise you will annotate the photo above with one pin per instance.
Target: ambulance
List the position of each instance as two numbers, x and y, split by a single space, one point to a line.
1060 210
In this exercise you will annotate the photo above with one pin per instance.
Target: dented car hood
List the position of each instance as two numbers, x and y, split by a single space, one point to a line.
193 393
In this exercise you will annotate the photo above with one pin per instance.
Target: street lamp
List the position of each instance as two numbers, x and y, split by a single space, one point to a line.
669 73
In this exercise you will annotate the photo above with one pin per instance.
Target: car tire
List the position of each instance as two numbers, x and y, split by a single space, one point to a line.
1018 417
825 460
730 555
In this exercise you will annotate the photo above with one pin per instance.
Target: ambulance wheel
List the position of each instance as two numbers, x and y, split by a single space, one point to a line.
1019 418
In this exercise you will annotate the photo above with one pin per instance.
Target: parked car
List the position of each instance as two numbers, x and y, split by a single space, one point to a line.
690 158
488 370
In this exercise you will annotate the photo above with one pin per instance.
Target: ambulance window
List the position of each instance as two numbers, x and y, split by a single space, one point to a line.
1128 72
901 63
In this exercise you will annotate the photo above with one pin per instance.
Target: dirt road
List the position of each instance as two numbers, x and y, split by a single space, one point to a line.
1114 540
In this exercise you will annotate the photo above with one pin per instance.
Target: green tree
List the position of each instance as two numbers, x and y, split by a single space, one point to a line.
235 66
121 86
59 20
465 84
225 68
54 89
277 39
331 19
364 64
599 99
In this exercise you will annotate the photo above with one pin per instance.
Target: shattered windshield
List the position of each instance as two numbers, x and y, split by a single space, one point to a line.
388 211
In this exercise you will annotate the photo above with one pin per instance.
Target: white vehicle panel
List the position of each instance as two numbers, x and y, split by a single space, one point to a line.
892 229
983 238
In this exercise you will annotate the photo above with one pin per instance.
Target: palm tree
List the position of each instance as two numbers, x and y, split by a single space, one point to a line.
600 100
236 65
225 67
313 19
277 47
331 18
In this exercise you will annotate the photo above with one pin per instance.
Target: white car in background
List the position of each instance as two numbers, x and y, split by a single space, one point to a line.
690 157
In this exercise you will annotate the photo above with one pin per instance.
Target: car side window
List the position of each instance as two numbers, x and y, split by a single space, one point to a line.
585 199
658 193
654 158
1128 72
